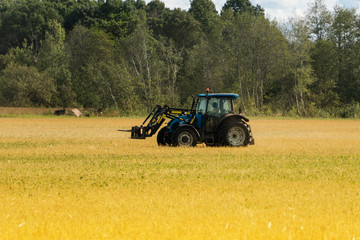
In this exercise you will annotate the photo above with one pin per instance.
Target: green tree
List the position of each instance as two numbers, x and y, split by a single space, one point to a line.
6 4
255 51
156 12
109 7
320 20
140 52
205 12
114 87
84 12
301 70
323 56
182 28
54 60
25 21
119 25
172 59
324 63
345 34
88 49
242 6
25 86
21 56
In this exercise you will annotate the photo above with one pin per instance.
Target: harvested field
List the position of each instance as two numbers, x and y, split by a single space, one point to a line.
78 178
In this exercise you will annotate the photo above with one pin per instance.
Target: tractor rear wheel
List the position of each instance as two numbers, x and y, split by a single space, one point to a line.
185 137
234 134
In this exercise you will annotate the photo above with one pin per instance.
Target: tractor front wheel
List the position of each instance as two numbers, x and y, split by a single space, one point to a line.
162 137
185 137
235 135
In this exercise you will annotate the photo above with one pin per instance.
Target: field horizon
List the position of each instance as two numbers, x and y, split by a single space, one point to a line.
78 178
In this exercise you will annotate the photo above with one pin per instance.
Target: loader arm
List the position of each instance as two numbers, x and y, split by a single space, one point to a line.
155 119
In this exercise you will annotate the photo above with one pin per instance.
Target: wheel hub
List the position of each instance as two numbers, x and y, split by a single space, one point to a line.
236 136
185 139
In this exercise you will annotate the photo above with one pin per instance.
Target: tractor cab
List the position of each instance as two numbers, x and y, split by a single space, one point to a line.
212 107
211 110
215 104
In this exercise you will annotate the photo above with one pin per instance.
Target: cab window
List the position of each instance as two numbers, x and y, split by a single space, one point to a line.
201 106
214 107
219 106
226 106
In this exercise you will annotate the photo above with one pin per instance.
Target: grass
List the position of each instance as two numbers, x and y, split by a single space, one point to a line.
72 178
25 111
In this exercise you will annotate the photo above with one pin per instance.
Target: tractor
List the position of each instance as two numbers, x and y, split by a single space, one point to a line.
211 120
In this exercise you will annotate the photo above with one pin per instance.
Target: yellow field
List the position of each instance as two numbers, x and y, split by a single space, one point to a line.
67 178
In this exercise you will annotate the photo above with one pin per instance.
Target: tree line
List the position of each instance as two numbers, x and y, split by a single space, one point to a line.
129 56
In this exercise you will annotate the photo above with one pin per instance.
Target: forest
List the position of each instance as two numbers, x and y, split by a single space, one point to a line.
127 56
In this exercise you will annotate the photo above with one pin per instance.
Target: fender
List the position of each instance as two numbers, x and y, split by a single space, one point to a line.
231 116
191 126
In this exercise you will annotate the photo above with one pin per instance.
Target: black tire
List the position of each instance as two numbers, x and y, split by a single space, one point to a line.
234 134
185 137
161 137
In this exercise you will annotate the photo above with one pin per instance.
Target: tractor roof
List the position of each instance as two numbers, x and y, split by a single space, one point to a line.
221 95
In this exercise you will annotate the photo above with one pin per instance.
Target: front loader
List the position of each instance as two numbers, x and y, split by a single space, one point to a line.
210 120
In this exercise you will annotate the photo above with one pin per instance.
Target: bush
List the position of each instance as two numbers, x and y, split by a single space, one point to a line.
349 111
25 86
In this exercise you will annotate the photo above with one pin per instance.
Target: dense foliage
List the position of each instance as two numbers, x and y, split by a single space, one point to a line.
129 56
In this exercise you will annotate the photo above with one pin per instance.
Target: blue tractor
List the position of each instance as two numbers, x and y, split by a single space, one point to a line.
211 120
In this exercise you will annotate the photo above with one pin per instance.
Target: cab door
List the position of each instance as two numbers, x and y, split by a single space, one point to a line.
200 113
216 109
